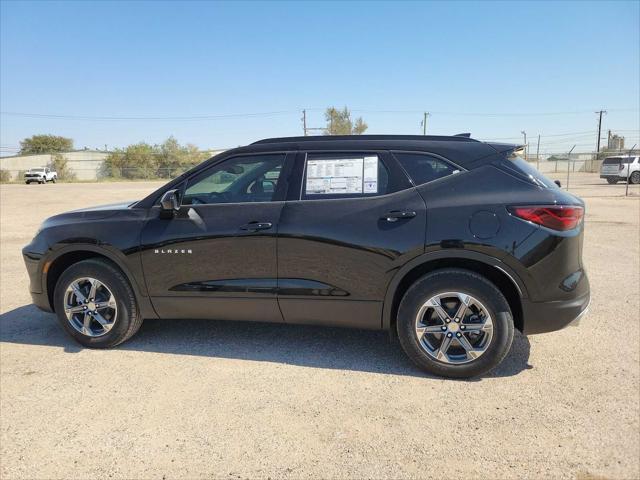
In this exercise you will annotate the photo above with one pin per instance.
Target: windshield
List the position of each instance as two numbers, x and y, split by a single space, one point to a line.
37 170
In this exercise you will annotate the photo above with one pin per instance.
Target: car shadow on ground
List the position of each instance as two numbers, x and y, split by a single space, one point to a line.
308 346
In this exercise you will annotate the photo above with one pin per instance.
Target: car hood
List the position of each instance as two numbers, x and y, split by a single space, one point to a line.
91 213
109 207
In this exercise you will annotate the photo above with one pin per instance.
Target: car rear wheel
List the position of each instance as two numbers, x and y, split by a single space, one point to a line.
96 305
455 323
612 181
635 178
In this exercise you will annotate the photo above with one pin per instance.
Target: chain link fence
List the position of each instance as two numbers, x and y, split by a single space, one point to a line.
574 171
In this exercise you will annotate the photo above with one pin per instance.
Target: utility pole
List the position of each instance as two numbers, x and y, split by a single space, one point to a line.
569 163
304 122
538 154
424 123
599 130
525 143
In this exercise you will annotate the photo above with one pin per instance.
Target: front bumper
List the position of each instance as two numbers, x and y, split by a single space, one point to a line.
543 317
34 269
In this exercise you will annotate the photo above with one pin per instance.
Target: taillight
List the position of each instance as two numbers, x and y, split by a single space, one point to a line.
621 166
555 217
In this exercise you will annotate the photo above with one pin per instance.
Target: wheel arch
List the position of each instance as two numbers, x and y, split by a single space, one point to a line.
505 279
65 257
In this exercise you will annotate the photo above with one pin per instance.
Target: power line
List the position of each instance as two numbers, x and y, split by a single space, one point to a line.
288 112
191 117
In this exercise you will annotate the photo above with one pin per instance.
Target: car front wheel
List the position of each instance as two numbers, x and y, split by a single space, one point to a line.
96 305
455 323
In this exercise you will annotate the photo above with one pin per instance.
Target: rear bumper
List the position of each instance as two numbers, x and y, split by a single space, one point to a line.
542 317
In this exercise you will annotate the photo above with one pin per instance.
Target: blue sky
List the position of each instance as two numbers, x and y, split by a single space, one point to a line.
492 69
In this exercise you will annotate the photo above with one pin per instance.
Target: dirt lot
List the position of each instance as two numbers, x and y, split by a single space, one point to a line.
235 400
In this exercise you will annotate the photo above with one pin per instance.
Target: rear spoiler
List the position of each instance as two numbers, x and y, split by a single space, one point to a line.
506 147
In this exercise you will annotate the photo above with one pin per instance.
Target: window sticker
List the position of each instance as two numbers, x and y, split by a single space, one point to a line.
342 176
370 174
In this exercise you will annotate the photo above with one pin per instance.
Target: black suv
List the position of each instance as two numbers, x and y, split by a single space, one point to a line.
449 242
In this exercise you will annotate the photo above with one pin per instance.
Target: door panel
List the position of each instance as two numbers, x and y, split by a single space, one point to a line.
350 245
217 257
205 263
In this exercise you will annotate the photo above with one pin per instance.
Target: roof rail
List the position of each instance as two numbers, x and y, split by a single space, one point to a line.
466 137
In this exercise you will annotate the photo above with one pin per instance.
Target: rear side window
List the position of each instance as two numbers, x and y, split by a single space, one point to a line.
523 168
612 161
344 175
423 168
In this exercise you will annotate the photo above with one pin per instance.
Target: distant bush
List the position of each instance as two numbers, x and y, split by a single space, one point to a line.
60 165
144 161
5 176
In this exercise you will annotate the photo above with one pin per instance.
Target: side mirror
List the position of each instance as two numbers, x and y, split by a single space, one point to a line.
557 182
169 204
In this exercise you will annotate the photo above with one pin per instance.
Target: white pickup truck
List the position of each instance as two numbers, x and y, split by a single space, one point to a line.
40 175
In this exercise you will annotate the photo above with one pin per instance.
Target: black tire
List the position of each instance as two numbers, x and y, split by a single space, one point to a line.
635 178
612 181
469 283
128 319
53 179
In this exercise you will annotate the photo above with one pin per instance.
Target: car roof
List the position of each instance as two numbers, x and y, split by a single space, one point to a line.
460 149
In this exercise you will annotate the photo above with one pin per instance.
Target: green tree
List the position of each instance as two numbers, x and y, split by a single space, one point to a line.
45 144
134 161
339 122
60 165
167 160
173 158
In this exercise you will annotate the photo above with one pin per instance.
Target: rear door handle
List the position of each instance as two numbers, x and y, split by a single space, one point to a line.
255 226
395 215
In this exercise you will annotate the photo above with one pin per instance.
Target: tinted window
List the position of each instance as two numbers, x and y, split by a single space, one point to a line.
344 175
237 180
424 168
611 161
526 169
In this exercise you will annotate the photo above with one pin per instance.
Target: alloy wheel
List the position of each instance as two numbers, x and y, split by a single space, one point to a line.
90 306
454 328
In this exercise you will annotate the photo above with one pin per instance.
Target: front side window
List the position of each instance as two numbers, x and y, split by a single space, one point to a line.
344 175
244 179
423 168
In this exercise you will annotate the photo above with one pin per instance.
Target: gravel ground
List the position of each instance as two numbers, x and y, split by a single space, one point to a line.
194 399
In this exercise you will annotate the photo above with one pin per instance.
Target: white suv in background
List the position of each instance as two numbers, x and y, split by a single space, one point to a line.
621 167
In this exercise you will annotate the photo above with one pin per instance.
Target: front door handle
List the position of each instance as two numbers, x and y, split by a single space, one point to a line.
255 226
395 215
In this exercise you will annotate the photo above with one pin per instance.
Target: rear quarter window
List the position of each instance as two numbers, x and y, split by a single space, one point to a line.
424 168
522 168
